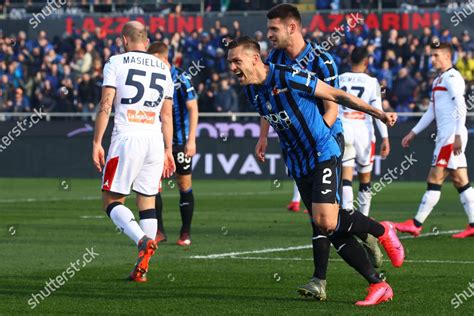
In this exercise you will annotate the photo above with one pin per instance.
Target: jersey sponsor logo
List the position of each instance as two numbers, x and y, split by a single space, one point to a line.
328 62
276 91
279 121
354 115
143 117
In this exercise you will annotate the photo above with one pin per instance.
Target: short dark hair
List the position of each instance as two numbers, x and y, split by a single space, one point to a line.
359 54
157 48
245 41
442 45
284 11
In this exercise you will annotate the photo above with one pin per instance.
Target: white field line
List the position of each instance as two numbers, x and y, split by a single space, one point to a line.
270 250
99 197
340 260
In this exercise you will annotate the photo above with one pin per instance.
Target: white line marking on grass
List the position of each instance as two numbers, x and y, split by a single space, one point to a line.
232 254
92 216
98 197
269 250
340 260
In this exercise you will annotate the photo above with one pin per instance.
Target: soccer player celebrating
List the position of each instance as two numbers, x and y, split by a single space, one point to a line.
359 136
285 97
140 88
448 107
290 48
185 120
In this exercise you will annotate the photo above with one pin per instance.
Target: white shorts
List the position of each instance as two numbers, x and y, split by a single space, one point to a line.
359 147
443 155
134 161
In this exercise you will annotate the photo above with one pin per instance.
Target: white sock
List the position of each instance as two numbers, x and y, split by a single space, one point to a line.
123 218
296 194
364 197
347 197
467 200
149 223
428 202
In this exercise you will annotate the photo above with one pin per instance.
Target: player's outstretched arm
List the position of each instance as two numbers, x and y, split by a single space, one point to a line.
261 147
101 121
326 92
190 147
166 115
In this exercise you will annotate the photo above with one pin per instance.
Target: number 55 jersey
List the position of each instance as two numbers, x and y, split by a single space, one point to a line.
136 154
142 82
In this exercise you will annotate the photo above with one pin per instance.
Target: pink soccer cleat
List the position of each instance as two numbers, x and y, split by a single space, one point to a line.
392 245
408 227
184 240
468 232
293 206
378 293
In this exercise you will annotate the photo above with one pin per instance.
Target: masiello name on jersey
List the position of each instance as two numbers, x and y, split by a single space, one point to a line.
149 62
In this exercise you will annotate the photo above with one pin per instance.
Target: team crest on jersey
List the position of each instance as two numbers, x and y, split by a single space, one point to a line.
276 91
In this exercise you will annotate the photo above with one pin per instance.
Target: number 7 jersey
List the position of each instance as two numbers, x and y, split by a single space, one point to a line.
142 82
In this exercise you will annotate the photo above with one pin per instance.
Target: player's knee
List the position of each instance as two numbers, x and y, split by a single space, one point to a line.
184 183
326 223
435 177
459 182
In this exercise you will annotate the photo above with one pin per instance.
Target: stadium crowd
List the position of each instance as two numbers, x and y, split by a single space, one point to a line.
65 74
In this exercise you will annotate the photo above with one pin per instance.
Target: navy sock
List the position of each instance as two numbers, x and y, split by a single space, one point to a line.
186 208
321 248
356 222
354 254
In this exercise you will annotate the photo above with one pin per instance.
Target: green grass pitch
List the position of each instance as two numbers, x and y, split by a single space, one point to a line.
46 224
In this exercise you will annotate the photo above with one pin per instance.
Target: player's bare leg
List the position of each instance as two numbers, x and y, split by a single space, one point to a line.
460 180
413 226
186 208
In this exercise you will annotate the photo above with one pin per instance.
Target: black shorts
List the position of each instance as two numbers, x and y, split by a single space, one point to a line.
322 185
183 163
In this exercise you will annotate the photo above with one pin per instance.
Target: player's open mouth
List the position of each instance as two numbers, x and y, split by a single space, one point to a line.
239 74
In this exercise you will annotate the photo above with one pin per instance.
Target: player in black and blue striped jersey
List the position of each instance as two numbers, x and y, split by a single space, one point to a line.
290 48
293 50
185 119
285 98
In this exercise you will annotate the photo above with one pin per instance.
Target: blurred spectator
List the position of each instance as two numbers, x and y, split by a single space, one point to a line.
403 92
46 96
465 65
226 98
86 94
20 103
65 73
